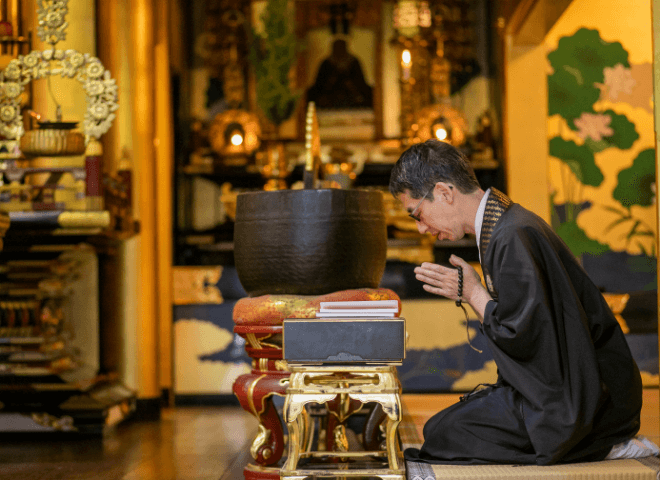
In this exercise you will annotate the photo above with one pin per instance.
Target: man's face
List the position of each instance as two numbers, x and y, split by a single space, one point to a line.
439 216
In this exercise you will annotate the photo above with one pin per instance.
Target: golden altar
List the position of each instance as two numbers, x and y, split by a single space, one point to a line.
318 384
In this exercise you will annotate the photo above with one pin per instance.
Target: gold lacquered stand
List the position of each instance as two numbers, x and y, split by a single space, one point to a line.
320 384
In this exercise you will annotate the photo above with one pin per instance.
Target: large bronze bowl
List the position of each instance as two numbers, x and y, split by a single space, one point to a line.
309 242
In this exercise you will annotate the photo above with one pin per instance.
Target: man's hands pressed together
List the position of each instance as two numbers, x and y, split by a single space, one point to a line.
443 281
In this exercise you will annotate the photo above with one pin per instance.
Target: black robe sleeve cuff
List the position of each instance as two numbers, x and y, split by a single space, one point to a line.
490 306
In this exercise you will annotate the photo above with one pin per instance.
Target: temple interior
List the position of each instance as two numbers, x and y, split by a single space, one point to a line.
165 166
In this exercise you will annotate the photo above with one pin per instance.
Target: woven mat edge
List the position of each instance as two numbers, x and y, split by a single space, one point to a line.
423 471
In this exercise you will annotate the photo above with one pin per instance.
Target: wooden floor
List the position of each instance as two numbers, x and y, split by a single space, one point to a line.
187 443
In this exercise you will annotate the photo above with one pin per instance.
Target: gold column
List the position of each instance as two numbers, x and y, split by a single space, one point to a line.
142 104
164 188
120 309
141 67
525 106
655 16
112 321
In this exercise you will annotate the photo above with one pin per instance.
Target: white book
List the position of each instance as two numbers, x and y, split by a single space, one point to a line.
357 311
363 314
361 304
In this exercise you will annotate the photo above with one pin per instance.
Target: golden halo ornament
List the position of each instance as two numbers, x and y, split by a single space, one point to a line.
223 124
100 87
452 117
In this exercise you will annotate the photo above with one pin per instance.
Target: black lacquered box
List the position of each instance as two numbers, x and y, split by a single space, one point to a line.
342 340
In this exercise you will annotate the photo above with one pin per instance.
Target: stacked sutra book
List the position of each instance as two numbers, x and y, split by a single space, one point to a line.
362 332
359 309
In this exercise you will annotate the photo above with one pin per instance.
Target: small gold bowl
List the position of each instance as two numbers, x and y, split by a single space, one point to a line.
52 142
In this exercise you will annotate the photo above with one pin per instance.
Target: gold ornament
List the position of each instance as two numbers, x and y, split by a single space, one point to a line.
100 87
450 117
239 122
50 17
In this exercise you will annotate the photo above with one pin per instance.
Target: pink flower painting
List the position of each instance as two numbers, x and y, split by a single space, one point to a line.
618 79
594 125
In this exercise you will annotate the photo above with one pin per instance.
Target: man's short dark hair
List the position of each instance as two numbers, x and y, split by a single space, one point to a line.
424 164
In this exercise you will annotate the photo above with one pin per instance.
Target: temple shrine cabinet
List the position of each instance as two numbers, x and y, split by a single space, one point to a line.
63 217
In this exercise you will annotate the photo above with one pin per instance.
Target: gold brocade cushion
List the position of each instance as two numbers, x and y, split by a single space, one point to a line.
273 309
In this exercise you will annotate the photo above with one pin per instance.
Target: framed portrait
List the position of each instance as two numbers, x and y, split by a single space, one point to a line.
340 67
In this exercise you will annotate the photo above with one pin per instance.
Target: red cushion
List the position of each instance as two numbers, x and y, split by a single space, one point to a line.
273 309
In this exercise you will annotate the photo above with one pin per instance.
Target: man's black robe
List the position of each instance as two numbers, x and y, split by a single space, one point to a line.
568 388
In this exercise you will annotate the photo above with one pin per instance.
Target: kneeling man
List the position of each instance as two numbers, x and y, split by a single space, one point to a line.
568 389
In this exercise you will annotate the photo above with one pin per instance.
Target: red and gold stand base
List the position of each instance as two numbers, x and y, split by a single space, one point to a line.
259 321
257 472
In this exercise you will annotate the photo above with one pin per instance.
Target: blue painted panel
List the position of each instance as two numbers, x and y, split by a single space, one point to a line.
221 316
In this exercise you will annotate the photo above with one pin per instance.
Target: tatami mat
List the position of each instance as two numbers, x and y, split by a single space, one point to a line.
607 470
418 408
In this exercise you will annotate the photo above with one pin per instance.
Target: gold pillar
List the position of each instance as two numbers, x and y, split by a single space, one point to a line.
655 15
164 188
112 321
144 127
525 108
141 101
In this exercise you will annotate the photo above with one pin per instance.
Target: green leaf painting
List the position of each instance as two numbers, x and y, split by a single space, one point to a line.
579 158
637 183
579 64
571 233
585 52
624 131
568 97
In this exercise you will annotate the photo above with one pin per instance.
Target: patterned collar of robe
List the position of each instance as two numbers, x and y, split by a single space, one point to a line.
497 204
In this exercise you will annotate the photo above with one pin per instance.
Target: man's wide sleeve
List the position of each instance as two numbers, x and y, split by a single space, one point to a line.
540 340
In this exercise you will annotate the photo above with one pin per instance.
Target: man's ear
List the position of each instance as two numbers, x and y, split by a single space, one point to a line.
445 190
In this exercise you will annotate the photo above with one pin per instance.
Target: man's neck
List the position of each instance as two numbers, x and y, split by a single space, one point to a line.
470 204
